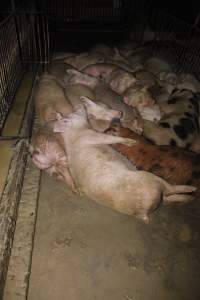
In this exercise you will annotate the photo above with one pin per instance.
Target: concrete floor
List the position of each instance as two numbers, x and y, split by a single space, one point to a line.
13 125
84 251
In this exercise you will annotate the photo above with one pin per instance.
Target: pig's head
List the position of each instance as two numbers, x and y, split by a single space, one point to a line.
138 98
75 76
45 150
99 115
121 82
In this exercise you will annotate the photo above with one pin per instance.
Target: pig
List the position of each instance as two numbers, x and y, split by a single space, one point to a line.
179 124
176 165
99 115
119 59
103 49
151 113
82 60
49 99
138 96
120 80
73 92
170 131
109 53
145 77
82 78
157 65
160 90
157 91
130 116
168 77
188 82
47 147
138 57
48 154
58 70
104 70
106 177
180 103
126 48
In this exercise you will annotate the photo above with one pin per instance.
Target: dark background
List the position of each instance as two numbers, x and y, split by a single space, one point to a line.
185 10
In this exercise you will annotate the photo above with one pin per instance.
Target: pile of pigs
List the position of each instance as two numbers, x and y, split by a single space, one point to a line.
120 126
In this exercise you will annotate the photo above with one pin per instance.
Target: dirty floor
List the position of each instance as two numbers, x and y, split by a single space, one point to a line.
84 251
13 125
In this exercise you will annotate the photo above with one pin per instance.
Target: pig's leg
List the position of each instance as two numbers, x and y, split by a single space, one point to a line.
100 139
177 198
65 173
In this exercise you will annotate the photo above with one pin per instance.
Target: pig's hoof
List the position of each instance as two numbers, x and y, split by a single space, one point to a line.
129 142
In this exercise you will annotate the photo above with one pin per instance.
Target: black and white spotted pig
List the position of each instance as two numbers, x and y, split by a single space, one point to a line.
179 125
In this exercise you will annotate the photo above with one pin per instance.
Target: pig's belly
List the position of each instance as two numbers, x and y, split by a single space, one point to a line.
97 169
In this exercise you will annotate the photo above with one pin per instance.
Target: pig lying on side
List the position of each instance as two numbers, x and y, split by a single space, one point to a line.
47 147
179 125
173 164
119 80
130 116
106 177
73 92
102 49
84 59
157 65
58 69
104 70
48 154
49 99
111 54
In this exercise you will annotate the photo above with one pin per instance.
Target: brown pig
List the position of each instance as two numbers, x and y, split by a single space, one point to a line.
176 165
